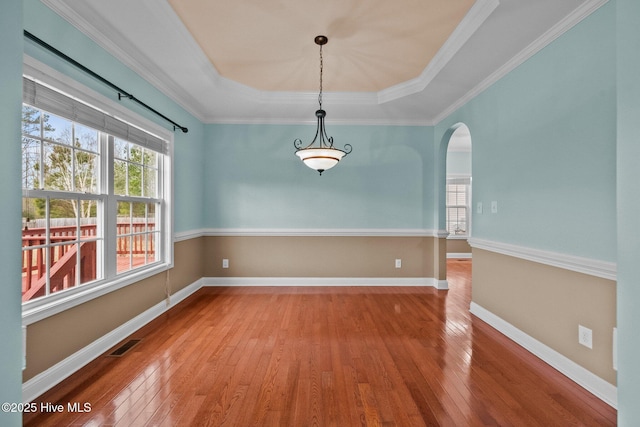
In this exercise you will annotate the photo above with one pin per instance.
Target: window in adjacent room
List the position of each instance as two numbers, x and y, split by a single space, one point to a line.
458 204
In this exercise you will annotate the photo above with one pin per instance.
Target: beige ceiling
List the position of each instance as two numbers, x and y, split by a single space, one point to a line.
254 61
373 44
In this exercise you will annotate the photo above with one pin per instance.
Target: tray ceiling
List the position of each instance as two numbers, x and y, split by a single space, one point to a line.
401 62
373 44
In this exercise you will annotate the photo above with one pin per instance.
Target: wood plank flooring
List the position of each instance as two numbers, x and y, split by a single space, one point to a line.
324 356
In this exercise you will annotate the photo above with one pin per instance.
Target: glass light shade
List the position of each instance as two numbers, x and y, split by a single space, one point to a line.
320 159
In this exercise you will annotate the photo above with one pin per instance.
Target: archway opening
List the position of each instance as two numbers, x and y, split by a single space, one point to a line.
457 208
458 188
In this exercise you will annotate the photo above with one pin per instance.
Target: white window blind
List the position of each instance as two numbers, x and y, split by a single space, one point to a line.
52 101
459 181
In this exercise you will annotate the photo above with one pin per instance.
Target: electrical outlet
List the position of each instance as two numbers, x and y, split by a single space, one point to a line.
585 336
398 263
494 206
225 263
479 207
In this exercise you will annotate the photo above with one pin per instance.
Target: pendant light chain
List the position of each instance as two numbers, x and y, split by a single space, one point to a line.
321 67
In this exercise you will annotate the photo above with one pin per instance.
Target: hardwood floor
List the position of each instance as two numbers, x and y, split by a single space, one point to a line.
330 356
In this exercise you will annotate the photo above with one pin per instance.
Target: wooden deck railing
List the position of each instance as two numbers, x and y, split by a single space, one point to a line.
63 257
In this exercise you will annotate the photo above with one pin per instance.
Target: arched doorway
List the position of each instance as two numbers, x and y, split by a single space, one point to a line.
455 147
458 135
458 187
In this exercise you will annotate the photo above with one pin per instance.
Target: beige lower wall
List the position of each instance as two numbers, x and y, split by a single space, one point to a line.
440 258
548 304
55 338
458 246
321 256
188 263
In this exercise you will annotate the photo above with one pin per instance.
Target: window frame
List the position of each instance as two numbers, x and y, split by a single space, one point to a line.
41 308
459 180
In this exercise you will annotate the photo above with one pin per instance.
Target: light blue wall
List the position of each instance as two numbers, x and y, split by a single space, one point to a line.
544 146
254 180
628 64
188 183
10 111
188 161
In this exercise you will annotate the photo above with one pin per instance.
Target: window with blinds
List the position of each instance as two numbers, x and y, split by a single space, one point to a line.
457 206
94 196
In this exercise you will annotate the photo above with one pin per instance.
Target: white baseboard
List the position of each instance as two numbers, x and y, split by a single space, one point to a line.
63 369
600 388
459 255
325 281
441 285
185 292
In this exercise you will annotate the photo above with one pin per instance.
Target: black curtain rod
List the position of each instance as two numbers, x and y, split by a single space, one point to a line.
121 93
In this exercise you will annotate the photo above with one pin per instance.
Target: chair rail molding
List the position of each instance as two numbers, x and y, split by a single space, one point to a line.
592 267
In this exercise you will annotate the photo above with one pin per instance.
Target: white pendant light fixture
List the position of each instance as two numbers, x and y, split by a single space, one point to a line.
323 156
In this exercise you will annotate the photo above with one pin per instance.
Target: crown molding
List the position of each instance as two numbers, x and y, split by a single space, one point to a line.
87 20
591 267
584 10
476 16
107 37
